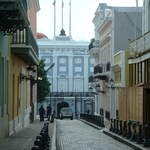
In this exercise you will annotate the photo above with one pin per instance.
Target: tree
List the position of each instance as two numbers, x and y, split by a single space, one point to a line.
43 85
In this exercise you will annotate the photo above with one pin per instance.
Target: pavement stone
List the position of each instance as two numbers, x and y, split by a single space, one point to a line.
76 135
24 139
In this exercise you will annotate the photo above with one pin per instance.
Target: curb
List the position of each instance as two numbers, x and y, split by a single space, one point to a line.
53 145
91 124
116 137
124 141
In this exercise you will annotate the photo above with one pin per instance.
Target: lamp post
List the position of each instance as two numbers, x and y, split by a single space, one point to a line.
50 67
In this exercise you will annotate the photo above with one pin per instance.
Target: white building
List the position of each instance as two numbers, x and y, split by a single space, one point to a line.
114 27
69 76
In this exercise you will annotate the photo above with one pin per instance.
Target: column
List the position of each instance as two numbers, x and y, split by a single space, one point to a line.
86 73
70 61
55 74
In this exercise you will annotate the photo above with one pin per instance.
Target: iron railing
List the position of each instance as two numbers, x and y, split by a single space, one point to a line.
72 94
97 120
94 44
132 130
25 37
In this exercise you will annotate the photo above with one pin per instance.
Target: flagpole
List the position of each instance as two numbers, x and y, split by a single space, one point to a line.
62 14
70 19
54 18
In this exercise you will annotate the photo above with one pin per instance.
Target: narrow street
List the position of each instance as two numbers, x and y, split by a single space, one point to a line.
75 135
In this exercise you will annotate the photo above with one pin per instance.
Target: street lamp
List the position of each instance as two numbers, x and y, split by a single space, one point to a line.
50 67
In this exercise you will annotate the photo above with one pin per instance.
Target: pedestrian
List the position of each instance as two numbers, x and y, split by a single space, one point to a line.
49 112
54 113
41 113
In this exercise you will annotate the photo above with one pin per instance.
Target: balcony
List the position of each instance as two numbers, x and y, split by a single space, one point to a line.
94 47
24 45
98 69
99 74
13 14
91 79
99 88
140 48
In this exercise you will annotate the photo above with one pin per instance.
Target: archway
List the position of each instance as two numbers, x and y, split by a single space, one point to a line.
61 105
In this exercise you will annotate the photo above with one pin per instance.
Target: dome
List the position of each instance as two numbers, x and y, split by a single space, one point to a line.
41 36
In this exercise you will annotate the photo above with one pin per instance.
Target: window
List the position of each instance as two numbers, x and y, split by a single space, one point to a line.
77 60
91 69
108 66
78 69
62 60
62 69
117 76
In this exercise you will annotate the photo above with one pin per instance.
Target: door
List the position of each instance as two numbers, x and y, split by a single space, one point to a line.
146 106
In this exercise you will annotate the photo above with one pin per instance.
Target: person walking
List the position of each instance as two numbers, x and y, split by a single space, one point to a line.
41 113
49 112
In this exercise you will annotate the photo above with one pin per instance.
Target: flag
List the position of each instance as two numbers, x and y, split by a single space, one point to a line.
54 2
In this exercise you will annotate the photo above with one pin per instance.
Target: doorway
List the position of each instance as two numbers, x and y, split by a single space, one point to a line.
146 106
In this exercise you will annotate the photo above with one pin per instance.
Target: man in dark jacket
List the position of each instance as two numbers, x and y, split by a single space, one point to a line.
48 112
41 113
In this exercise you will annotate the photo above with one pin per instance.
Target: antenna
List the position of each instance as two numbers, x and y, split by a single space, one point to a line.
70 19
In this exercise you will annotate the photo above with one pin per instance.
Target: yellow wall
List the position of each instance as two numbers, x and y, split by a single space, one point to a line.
16 65
117 74
117 59
126 68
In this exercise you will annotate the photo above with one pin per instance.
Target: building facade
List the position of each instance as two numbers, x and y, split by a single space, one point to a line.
138 93
18 54
113 30
69 76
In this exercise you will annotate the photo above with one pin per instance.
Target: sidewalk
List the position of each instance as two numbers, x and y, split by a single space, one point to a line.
117 137
134 145
24 139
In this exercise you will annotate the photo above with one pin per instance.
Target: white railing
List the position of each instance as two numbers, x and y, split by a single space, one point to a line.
141 44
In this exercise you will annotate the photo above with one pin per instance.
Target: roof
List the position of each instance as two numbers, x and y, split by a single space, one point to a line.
41 36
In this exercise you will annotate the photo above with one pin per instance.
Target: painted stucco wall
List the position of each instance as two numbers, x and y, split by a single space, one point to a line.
4 50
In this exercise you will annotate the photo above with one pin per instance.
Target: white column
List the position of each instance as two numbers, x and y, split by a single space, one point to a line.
70 73
86 73
55 74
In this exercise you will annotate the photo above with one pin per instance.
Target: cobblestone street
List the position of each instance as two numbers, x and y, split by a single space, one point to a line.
75 135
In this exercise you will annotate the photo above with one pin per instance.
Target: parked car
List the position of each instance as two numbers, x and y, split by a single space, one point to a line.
66 113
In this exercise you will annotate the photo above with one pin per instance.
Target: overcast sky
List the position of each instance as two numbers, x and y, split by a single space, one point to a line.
82 15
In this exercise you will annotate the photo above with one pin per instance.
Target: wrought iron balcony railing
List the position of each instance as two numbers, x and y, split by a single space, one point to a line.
140 46
98 69
13 14
91 79
94 44
25 38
